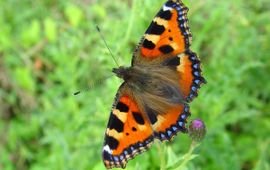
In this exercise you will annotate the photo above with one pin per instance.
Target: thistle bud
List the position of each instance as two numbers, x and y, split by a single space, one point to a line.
197 130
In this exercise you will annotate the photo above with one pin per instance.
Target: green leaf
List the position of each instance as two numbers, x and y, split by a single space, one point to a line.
31 35
74 14
182 161
172 158
50 29
24 79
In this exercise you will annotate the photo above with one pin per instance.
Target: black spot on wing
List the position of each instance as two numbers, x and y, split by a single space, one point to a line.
169 4
116 123
120 161
156 29
165 49
106 155
167 15
151 115
174 62
122 107
148 44
112 142
138 118
134 129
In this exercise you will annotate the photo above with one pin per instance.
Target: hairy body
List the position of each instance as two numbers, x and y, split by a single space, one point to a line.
154 87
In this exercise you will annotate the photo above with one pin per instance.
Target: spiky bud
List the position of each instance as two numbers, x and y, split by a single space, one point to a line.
197 130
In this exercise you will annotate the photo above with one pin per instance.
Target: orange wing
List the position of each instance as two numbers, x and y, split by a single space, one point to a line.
128 132
166 125
189 70
168 34
167 40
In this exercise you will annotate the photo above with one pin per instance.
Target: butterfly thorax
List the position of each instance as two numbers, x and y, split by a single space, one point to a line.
153 87
135 77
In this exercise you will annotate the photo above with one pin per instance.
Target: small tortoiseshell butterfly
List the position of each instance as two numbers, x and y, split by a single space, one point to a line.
152 102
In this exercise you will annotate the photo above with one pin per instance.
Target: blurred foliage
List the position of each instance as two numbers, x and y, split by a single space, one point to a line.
50 48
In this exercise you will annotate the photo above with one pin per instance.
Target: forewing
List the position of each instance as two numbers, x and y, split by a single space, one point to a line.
167 35
128 132
167 40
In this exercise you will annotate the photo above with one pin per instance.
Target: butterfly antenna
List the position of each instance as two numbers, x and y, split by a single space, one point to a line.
92 85
102 37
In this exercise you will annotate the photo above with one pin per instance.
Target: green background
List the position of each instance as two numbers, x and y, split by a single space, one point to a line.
50 49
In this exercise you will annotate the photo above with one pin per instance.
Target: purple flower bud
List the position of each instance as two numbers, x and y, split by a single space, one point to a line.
197 130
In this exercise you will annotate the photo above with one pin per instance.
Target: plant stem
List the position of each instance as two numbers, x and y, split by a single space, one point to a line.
161 152
188 156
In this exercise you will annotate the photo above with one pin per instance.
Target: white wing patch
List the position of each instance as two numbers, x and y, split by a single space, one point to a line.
107 149
166 8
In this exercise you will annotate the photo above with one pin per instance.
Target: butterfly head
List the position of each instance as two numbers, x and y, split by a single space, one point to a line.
122 72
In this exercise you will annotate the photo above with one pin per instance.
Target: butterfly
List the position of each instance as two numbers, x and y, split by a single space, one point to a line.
152 102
